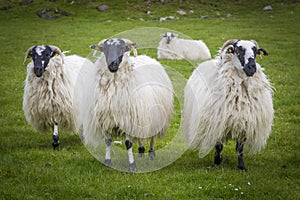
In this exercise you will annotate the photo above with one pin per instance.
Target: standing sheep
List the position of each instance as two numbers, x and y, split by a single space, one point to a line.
229 98
171 47
50 97
128 95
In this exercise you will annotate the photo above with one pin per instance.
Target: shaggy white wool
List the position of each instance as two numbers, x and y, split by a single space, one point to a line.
136 100
221 103
179 49
55 97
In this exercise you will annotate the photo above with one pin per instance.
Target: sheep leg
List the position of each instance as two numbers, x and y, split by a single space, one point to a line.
107 160
218 155
55 138
151 150
141 148
239 149
132 166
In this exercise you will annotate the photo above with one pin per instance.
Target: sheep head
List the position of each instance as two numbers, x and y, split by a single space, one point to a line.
243 54
169 36
41 56
114 50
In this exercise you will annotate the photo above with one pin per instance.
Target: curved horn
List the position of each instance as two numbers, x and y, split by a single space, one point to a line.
57 50
127 41
27 54
97 49
227 43
256 44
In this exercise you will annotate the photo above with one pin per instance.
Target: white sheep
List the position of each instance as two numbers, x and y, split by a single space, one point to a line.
52 92
171 47
229 98
128 95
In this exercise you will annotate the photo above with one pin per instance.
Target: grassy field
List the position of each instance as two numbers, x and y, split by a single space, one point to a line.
30 169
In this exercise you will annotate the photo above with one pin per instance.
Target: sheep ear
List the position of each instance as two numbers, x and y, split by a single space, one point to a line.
96 48
133 47
230 49
262 52
174 35
163 35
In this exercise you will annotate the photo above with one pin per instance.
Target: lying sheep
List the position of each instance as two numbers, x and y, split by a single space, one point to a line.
171 47
227 98
51 94
130 95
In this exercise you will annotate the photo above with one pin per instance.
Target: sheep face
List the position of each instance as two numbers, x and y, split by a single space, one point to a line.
114 50
169 36
244 53
41 56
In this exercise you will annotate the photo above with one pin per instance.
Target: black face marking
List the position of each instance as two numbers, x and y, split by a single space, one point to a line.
246 52
41 56
240 52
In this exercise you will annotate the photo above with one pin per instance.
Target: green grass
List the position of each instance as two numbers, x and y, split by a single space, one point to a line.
30 169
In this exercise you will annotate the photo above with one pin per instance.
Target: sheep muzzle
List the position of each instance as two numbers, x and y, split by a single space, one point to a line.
113 66
250 67
38 71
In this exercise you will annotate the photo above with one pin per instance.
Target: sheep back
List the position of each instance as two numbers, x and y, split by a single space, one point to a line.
50 98
219 105
179 49
136 100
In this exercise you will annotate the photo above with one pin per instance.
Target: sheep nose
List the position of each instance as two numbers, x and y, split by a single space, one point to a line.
39 71
250 67
114 65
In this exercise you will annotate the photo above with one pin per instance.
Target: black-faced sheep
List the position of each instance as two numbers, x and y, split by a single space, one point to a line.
51 98
171 47
226 98
128 95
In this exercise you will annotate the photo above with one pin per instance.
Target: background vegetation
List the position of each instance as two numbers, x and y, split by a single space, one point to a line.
30 169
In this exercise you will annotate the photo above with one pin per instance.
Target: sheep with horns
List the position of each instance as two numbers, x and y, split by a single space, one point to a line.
227 98
52 92
131 95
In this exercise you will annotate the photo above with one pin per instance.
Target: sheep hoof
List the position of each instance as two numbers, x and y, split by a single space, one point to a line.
55 141
107 162
218 160
132 167
151 154
242 167
141 151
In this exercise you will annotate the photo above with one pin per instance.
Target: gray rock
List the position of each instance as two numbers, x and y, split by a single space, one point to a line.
268 8
102 7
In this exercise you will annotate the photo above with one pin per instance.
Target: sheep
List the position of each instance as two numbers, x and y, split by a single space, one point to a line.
129 95
171 47
229 98
50 98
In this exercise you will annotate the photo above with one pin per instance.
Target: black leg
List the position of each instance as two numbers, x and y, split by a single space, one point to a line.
141 148
239 149
218 150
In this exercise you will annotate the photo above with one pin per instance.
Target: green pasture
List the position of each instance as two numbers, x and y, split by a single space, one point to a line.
30 169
